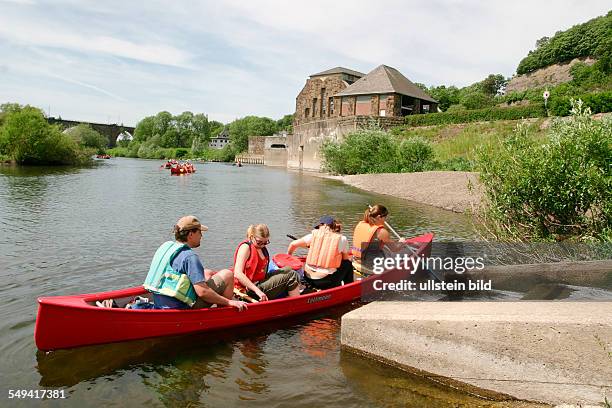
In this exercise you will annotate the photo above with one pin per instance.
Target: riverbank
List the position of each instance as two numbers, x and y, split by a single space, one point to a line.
458 191
553 352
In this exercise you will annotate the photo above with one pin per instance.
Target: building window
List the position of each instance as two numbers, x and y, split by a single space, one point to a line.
323 107
306 112
314 107
364 105
382 105
345 106
331 105
425 108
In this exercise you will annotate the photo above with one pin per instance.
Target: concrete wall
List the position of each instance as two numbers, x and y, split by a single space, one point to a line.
256 144
274 154
304 145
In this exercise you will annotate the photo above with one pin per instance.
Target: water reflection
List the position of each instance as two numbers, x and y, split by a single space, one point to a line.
408 390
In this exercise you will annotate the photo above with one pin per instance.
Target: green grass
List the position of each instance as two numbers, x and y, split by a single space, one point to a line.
462 140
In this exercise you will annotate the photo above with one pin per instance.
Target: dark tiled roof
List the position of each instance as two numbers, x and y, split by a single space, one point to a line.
382 80
224 134
339 70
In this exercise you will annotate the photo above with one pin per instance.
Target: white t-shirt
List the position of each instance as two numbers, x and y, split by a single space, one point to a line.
343 247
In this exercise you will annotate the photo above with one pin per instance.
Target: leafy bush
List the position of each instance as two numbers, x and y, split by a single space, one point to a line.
86 136
179 153
555 190
413 154
596 102
27 138
511 113
375 151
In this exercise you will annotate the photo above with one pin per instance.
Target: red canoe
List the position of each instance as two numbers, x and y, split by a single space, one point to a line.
73 321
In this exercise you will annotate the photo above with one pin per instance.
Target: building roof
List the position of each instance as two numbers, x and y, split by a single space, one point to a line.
224 134
382 80
339 70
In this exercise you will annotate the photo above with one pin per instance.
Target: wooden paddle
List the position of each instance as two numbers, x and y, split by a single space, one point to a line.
244 296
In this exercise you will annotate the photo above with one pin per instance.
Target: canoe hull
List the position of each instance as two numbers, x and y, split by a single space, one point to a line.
72 321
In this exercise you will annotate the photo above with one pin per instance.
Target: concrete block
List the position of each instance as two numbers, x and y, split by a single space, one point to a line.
552 352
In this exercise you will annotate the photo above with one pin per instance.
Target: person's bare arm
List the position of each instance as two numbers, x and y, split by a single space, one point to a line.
298 243
241 258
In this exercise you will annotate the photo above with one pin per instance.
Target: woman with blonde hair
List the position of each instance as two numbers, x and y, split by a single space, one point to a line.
251 260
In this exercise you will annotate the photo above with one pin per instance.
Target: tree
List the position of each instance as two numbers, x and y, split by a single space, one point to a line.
27 138
285 123
542 41
241 129
215 128
493 84
476 100
445 96
85 136
144 129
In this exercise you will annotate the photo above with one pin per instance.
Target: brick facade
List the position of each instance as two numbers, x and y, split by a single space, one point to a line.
313 102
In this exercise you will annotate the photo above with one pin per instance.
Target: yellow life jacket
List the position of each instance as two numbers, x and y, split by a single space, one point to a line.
323 252
362 236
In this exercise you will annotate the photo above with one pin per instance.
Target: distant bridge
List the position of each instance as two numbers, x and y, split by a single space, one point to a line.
112 131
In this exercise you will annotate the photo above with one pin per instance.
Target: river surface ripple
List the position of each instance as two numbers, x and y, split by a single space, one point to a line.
69 231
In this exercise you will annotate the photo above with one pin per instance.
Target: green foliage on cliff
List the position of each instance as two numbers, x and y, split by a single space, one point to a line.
27 138
554 189
593 38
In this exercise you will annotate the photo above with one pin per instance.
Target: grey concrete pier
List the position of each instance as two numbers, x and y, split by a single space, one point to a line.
552 352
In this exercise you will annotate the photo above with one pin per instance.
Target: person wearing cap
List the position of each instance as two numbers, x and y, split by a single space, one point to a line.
327 264
178 279
251 260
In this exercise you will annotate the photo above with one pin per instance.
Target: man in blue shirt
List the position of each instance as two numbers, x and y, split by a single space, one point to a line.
217 289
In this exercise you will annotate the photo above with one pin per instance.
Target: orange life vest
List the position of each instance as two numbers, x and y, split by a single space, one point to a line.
323 252
255 268
363 235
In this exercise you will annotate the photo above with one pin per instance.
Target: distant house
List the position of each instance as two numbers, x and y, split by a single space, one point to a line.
340 92
221 140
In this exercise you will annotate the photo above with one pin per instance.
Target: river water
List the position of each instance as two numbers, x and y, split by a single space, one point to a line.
69 231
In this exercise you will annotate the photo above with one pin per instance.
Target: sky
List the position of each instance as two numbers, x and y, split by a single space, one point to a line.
120 61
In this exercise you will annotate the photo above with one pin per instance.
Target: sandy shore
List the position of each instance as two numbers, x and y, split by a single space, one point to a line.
458 191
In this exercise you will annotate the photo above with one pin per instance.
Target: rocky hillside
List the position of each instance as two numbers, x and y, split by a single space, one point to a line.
549 76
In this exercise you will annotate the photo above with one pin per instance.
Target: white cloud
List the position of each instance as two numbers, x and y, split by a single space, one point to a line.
234 58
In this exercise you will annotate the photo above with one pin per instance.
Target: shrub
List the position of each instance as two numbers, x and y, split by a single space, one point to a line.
596 102
511 113
375 151
555 190
27 138
413 154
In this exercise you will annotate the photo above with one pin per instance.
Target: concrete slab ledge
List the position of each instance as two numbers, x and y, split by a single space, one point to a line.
549 352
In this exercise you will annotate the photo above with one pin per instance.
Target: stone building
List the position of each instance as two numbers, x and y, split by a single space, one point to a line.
338 101
342 92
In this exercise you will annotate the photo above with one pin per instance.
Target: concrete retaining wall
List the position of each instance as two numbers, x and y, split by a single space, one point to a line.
553 352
